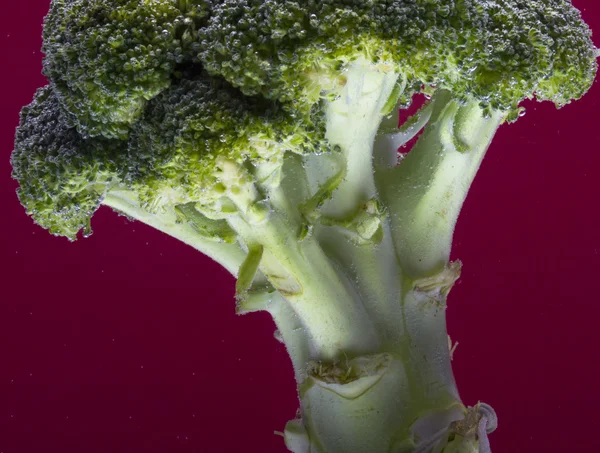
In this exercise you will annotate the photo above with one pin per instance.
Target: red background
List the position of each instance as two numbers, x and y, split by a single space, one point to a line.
128 342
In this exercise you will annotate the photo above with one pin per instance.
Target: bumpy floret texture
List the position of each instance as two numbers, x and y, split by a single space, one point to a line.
106 58
130 105
500 51
188 130
62 177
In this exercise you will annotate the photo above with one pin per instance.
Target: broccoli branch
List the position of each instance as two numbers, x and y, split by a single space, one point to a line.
425 192
352 123
230 256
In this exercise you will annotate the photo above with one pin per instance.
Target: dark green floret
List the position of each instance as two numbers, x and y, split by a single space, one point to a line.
62 176
107 58
497 51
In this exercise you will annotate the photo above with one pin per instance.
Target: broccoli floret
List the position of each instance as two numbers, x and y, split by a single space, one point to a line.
190 131
498 52
63 178
107 58
265 134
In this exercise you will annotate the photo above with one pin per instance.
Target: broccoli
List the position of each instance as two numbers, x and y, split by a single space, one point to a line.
266 135
105 59
67 176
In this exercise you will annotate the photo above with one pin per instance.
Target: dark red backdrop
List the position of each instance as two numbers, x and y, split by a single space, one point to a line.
128 342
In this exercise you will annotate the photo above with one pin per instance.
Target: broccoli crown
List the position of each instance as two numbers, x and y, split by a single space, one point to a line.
497 51
177 149
106 58
62 177
193 101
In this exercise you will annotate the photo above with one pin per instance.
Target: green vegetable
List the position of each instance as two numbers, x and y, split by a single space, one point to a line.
106 59
265 134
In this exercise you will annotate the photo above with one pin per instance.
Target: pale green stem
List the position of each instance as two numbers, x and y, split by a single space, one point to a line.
292 332
375 275
390 138
329 310
295 184
425 193
367 341
402 397
352 123
230 256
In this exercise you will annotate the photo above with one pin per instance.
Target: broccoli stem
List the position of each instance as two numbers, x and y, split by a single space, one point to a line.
367 381
330 311
375 275
291 331
349 368
363 323
368 342
364 326
425 192
398 396
390 138
353 119
230 256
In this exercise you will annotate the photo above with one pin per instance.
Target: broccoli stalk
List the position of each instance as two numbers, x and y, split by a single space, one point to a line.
434 179
395 300
265 135
126 202
363 316
353 119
